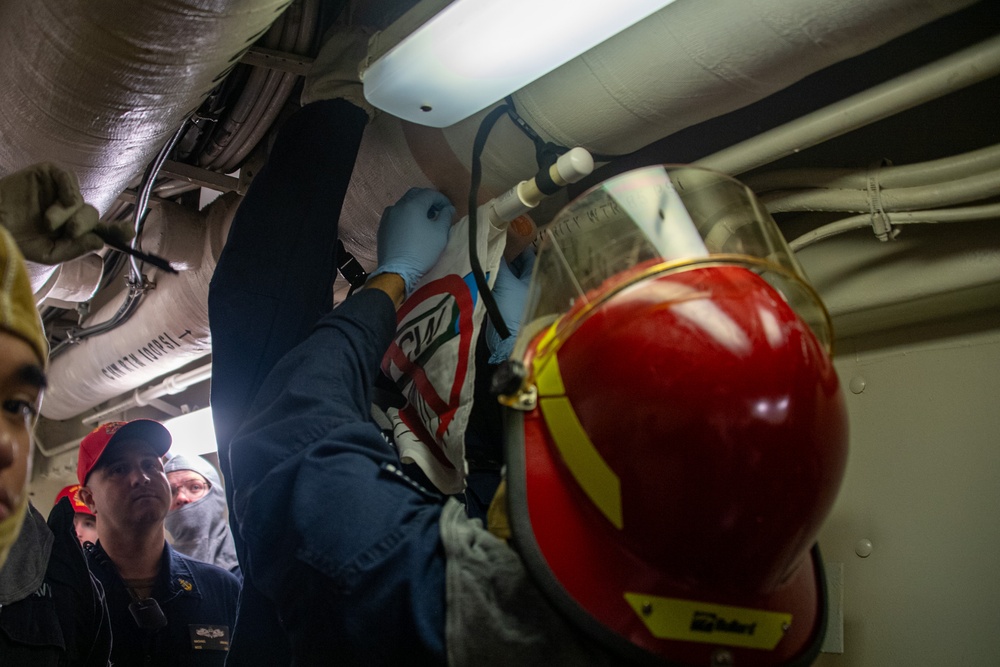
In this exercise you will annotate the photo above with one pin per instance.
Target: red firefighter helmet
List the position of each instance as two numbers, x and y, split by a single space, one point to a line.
680 433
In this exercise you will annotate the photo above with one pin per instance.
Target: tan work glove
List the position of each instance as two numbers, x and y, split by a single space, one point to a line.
42 208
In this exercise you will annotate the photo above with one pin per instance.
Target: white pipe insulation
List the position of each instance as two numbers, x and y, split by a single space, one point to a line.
100 86
170 328
688 63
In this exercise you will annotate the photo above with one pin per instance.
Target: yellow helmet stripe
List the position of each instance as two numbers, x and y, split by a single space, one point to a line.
692 621
594 476
585 463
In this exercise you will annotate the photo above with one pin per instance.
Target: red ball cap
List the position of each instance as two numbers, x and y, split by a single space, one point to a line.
73 493
95 443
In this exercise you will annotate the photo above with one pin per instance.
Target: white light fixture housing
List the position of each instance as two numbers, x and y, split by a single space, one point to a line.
193 433
440 63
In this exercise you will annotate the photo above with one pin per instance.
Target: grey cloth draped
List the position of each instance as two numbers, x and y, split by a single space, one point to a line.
29 557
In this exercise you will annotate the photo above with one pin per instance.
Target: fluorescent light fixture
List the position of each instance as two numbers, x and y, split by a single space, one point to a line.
193 433
475 52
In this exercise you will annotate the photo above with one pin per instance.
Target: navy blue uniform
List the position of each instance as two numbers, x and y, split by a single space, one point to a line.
198 599
265 298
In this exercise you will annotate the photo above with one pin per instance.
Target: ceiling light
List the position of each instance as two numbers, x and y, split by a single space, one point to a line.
438 68
193 433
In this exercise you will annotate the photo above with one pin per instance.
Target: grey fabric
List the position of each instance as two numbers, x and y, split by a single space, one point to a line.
200 529
496 615
29 557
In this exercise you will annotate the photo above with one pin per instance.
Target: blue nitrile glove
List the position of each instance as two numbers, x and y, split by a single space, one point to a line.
510 292
412 234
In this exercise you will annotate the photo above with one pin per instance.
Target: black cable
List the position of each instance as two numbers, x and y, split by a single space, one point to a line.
148 258
137 283
544 148
477 173
546 153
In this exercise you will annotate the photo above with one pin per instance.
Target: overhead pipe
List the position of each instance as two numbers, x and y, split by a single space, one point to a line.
170 330
963 190
683 65
963 214
903 176
947 75
173 384
100 86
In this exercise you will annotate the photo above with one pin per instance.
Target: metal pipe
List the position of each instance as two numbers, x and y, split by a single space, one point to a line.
959 70
973 188
266 113
173 384
100 86
984 212
902 176
55 451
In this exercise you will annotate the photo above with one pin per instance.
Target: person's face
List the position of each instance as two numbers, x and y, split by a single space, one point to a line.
186 486
21 382
86 527
128 490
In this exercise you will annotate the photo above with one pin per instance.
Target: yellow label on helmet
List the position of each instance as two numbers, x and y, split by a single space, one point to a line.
688 620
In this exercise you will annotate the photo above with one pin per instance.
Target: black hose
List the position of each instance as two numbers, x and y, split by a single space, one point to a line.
477 173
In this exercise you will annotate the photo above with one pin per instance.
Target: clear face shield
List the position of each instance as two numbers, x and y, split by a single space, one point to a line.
643 224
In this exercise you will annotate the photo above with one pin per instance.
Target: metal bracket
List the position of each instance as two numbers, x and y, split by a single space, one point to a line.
293 63
881 224
200 177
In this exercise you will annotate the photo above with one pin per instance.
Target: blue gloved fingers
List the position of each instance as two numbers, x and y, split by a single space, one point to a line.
511 292
524 264
500 348
412 234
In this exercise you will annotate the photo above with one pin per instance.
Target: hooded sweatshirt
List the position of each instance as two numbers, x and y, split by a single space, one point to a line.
200 529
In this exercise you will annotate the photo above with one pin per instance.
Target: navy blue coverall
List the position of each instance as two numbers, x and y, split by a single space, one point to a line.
300 471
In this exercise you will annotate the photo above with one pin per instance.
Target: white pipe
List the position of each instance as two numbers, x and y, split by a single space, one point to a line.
55 451
167 332
973 188
959 70
685 64
100 86
173 384
902 176
984 212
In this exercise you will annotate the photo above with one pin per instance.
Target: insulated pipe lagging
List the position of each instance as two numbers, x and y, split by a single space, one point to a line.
693 61
169 331
959 70
100 86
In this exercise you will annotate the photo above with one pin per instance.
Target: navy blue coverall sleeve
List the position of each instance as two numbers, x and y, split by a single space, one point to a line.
273 282
337 540
329 520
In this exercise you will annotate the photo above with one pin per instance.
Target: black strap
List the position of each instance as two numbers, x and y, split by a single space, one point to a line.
349 267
